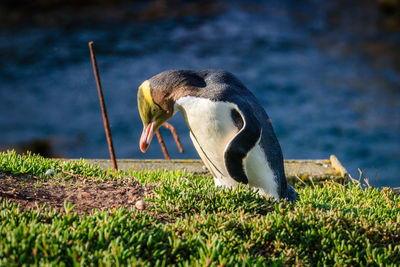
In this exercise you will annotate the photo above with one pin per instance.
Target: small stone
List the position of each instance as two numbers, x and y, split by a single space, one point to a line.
49 172
140 204
85 194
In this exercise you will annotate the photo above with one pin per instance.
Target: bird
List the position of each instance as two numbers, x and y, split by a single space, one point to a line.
230 130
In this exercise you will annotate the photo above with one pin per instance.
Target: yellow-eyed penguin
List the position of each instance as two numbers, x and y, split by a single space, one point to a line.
228 127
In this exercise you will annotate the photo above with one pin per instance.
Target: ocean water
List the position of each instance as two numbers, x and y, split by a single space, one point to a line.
328 76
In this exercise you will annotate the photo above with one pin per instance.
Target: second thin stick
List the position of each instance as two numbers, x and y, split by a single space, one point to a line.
103 107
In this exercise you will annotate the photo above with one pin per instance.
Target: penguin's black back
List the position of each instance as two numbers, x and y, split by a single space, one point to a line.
224 86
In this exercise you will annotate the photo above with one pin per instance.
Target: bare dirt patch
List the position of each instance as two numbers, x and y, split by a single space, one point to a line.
86 194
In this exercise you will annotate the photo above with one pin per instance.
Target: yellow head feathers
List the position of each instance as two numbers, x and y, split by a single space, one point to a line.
145 89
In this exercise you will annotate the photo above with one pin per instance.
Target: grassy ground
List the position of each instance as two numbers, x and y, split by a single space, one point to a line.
190 222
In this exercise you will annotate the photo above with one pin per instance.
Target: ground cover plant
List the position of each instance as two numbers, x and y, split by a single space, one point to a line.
77 214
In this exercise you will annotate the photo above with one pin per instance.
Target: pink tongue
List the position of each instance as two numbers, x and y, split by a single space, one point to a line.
146 137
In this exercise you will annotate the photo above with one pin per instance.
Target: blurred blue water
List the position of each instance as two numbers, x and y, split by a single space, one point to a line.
330 83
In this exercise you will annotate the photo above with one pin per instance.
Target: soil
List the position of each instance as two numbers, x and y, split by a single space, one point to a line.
87 194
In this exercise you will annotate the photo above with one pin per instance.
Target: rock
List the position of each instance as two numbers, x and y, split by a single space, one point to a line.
140 204
85 194
49 172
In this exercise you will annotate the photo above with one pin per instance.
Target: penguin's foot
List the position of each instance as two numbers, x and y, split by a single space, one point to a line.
292 194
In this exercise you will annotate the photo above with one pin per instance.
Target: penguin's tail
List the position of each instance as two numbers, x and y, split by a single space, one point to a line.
291 194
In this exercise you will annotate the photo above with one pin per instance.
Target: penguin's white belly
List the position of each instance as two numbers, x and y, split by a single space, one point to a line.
211 128
259 172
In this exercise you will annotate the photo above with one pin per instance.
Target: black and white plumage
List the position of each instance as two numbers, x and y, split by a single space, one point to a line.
229 128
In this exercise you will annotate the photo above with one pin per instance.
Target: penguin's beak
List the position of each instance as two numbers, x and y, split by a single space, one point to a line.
147 135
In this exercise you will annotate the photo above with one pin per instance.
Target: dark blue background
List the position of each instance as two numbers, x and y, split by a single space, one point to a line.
326 73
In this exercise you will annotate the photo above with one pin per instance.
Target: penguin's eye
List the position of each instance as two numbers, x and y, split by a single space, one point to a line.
155 109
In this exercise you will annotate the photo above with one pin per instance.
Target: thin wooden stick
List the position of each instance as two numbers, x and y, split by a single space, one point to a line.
103 107
162 144
175 135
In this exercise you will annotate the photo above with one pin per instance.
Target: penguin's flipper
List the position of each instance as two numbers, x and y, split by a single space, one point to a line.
238 148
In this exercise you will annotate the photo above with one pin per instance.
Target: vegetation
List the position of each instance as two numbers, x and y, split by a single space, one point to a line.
188 221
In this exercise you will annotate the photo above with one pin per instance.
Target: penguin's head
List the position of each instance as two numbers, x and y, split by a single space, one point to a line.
157 96
152 112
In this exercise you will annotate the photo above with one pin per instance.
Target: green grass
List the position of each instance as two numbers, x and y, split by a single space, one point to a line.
330 224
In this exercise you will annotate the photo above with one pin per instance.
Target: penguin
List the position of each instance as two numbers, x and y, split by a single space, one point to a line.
230 130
